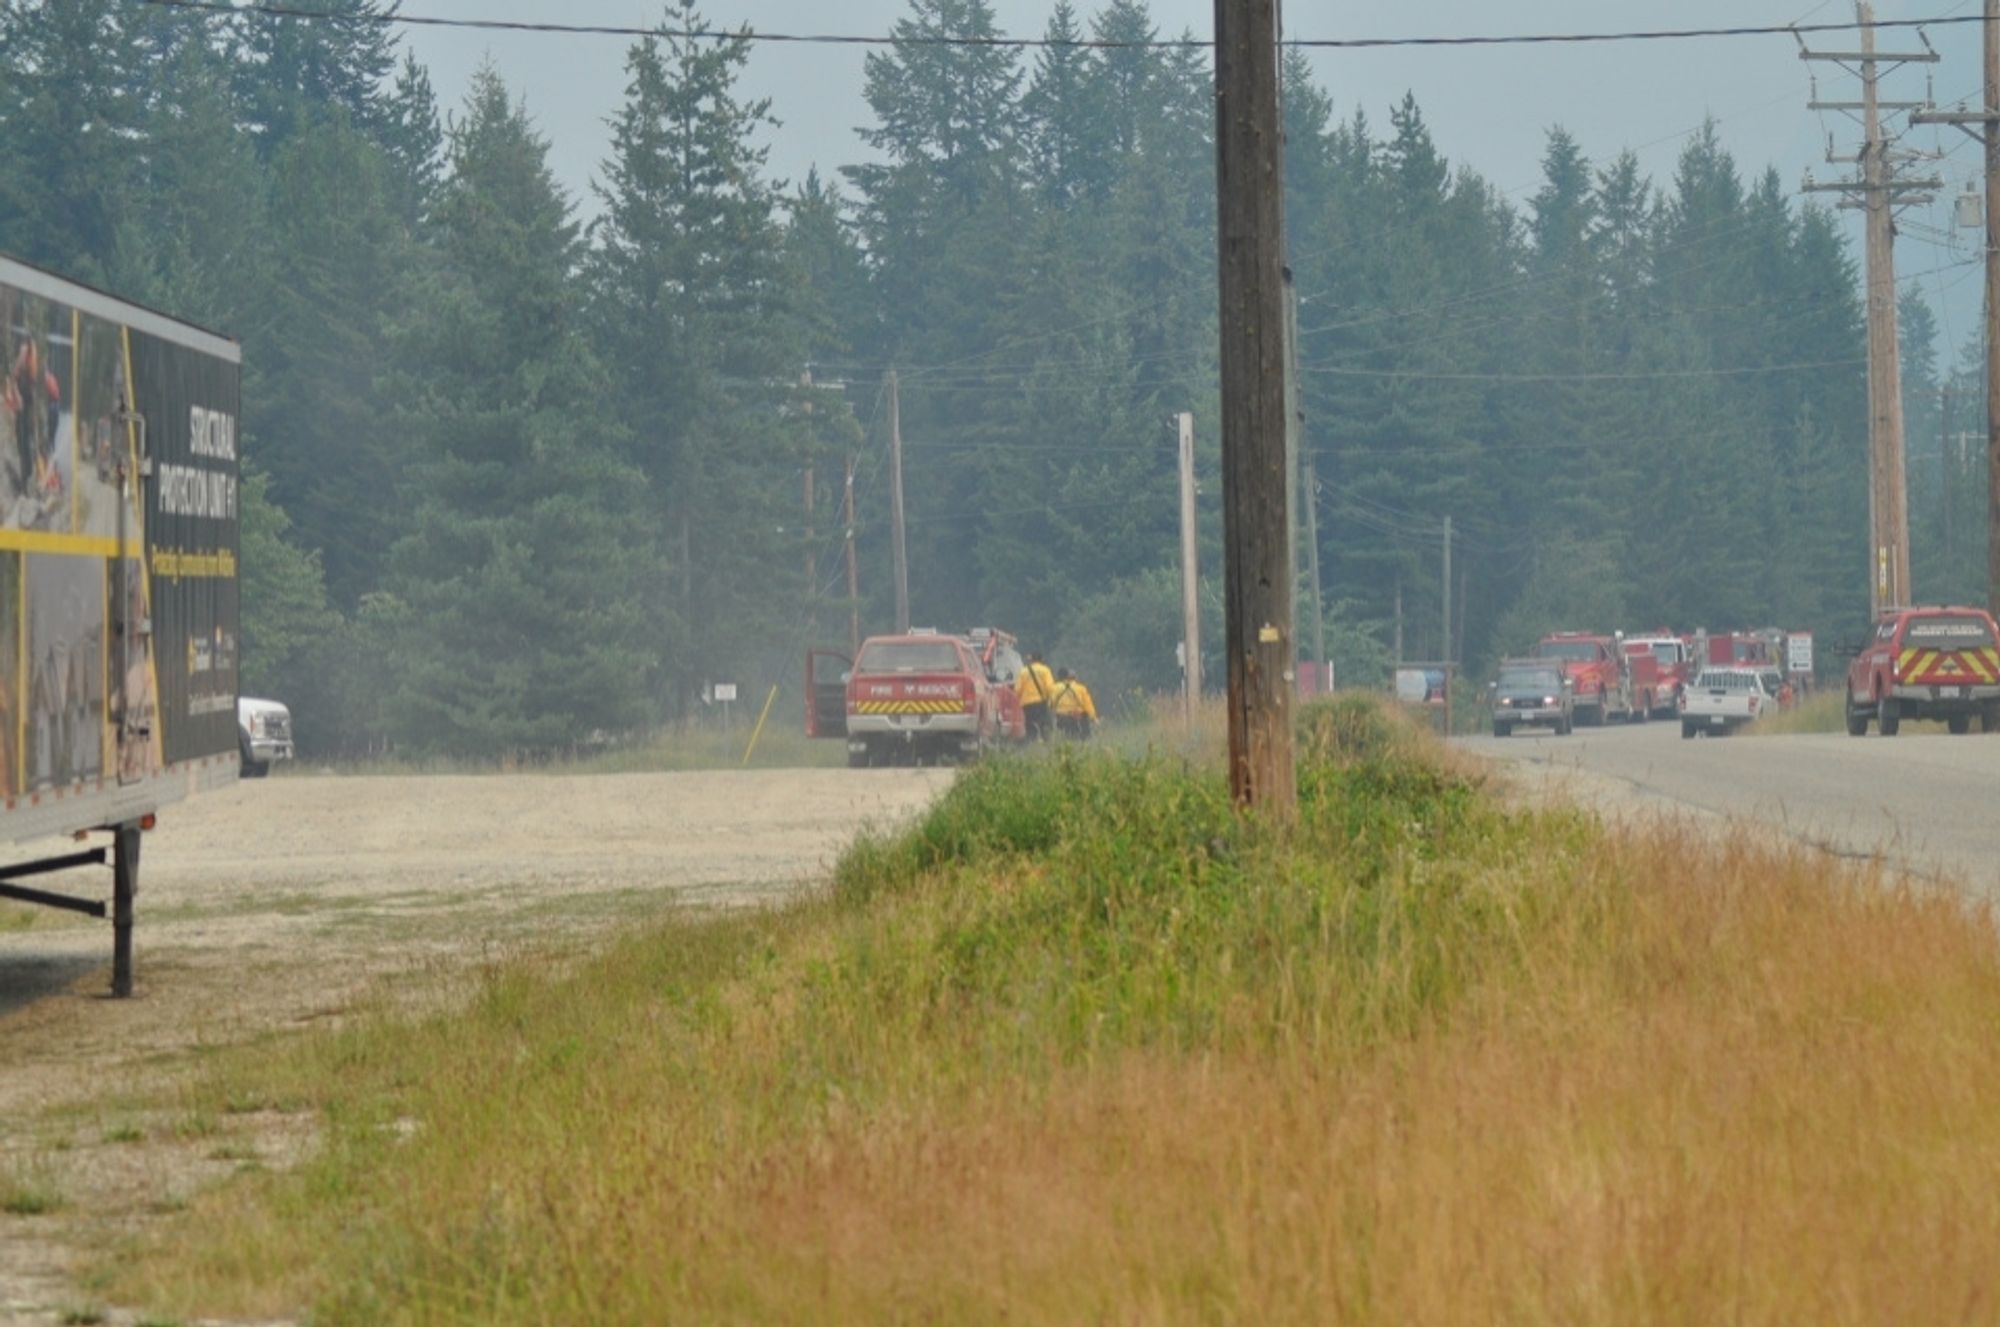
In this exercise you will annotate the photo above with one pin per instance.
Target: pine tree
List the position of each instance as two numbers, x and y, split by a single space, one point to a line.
697 318
1063 118
70 114
523 613
295 72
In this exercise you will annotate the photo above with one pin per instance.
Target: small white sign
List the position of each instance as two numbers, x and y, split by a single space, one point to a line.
1411 685
1799 652
725 691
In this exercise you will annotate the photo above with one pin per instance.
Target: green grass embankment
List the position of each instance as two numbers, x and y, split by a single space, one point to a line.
1083 1044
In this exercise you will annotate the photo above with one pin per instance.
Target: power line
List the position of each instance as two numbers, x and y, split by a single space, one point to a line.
301 12
1642 376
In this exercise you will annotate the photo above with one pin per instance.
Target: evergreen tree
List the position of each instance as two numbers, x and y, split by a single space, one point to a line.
523 614
295 72
705 339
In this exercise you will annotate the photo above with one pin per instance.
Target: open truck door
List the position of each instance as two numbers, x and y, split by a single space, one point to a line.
826 693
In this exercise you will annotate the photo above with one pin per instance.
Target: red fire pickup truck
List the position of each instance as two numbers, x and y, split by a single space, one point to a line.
915 699
1927 663
1600 676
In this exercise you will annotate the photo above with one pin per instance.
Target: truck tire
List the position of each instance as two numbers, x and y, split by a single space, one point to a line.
1958 724
1889 716
1563 727
1502 729
858 759
1688 730
251 768
1989 719
1857 719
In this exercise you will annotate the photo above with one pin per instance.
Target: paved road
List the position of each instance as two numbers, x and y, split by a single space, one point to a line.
1930 802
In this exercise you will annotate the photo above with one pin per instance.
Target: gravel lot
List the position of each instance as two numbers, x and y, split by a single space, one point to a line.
281 902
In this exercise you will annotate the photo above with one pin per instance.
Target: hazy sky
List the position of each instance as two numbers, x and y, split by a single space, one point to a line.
1489 108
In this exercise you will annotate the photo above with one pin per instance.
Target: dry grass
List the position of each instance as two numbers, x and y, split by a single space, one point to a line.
1083 1047
1824 712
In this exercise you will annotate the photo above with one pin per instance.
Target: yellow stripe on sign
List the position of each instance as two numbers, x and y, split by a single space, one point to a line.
1975 663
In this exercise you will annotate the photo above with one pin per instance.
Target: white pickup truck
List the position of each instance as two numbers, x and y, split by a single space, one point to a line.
1721 700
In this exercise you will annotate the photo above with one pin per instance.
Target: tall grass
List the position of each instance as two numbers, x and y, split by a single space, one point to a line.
1085 1044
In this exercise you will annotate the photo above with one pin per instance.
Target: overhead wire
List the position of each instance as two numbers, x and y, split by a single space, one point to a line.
274 10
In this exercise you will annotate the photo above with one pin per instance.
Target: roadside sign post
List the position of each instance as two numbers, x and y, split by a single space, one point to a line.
725 692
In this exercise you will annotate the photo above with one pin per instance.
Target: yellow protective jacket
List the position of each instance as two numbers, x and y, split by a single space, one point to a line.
1073 698
1035 684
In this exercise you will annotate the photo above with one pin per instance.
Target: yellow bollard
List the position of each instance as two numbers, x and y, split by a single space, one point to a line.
758 731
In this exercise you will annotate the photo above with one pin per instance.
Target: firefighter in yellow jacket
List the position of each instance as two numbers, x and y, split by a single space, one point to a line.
1035 686
1075 711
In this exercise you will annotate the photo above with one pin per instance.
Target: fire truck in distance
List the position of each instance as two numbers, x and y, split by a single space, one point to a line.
1662 665
921 698
1927 663
1600 674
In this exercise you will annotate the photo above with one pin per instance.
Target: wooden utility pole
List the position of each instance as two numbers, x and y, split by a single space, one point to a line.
1190 577
853 567
1398 647
1879 193
1311 486
1444 654
1258 553
812 560
1988 132
899 550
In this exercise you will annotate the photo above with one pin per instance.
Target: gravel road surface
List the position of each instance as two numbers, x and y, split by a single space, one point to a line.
282 902
1925 801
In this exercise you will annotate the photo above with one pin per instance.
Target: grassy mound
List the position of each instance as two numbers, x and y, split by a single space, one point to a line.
1084 1044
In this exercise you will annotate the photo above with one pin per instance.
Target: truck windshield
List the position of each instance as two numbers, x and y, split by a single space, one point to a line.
1576 651
1529 679
908 656
1668 652
1948 631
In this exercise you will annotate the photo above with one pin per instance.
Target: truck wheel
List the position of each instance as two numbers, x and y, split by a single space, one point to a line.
1890 718
1989 719
1563 727
1857 718
1959 724
1502 729
1688 730
857 759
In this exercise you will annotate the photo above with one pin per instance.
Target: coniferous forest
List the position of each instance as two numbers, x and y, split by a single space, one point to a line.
527 468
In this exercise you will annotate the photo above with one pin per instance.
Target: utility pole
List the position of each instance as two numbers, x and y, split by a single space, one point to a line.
1879 194
812 560
1945 470
1311 486
1258 554
1444 655
853 569
1988 132
898 548
1398 648
1190 577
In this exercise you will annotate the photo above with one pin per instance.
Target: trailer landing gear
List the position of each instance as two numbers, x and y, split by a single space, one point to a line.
123 858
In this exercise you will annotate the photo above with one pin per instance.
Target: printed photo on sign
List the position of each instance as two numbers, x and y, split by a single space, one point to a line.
65 730
10 674
135 715
102 439
37 412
